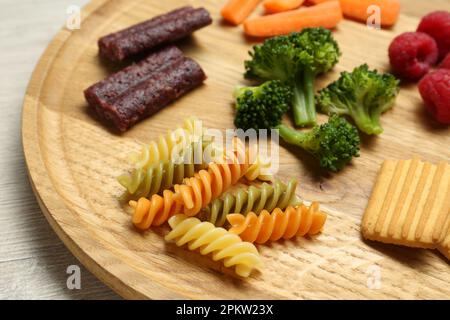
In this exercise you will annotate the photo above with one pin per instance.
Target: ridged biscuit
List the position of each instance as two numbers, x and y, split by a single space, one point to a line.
444 246
409 204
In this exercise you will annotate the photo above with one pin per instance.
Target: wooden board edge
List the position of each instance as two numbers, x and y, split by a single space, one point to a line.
30 107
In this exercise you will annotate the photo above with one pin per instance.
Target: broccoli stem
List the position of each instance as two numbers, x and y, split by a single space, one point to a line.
369 124
239 90
294 137
303 100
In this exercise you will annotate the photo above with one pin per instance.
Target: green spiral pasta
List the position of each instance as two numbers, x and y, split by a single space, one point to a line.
254 198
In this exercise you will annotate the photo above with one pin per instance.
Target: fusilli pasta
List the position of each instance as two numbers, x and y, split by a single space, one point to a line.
195 193
178 155
222 244
174 141
294 221
257 170
146 181
254 198
156 210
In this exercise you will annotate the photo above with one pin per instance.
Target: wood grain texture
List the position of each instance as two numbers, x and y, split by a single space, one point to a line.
33 260
73 161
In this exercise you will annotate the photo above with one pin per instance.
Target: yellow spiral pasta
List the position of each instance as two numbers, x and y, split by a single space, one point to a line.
252 199
222 244
195 193
257 170
146 181
294 221
164 147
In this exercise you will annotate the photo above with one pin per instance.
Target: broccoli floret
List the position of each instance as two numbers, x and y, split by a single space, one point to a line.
363 95
296 59
261 107
334 143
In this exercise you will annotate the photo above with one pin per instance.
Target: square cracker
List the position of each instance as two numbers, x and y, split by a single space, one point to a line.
409 204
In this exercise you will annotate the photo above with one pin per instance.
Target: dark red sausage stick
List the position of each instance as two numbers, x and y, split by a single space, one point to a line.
157 31
106 43
109 89
152 94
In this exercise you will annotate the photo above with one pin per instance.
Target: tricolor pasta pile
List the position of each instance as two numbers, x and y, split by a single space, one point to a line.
166 162
199 203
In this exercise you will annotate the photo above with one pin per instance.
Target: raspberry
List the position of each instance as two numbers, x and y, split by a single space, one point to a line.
412 54
435 91
437 25
445 64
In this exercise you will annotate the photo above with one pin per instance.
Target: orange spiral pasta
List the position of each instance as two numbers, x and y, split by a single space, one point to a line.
156 210
194 193
294 221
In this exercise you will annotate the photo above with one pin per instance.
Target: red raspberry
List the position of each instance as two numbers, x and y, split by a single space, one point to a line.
445 64
435 91
412 54
437 25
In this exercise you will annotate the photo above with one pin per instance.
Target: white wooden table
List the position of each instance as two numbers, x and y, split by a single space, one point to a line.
33 261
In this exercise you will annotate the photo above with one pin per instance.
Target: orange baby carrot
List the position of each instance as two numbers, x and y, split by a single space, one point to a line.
317 1
235 11
275 6
326 15
357 9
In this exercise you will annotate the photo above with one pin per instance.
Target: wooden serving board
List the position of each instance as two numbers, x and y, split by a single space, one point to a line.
73 161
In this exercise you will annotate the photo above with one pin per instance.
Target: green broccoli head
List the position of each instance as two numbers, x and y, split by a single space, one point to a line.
334 143
283 57
319 51
275 59
296 59
363 95
261 107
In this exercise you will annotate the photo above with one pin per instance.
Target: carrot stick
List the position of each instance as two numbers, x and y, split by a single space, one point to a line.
317 1
357 9
326 15
275 6
235 11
